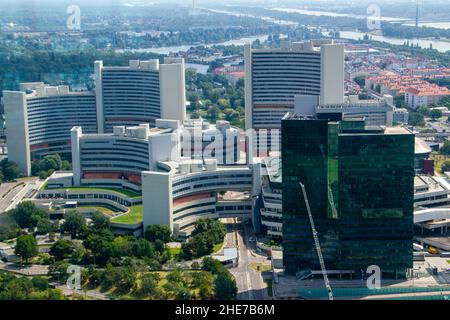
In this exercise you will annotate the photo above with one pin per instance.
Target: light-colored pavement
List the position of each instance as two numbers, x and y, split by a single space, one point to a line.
88 293
15 192
250 283
30 270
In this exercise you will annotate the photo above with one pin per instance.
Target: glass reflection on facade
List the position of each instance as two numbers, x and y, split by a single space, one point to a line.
359 183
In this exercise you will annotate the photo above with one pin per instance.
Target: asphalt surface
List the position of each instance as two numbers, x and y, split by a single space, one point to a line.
12 193
250 283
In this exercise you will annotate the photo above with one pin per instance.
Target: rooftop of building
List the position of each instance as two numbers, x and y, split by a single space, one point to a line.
192 124
313 46
408 83
143 65
423 183
189 166
421 147
41 89
427 90
142 131
352 125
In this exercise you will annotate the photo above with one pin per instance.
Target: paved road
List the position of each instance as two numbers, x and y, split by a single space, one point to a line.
89 293
13 193
250 283
8 191
31 270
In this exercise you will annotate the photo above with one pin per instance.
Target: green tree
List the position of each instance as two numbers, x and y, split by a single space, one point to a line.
143 248
158 232
26 247
149 284
74 222
100 221
40 283
45 226
225 287
416 119
435 114
27 215
445 148
62 249
445 166
424 110
51 162
18 289
10 170
58 270
212 265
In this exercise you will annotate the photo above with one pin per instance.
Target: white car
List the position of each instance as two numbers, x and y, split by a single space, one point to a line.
251 239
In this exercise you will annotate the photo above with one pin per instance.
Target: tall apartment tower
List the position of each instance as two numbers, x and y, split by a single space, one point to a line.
359 184
139 93
275 76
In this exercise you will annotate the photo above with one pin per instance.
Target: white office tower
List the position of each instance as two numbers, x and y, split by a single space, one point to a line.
140 93
275 76
117 159
39 119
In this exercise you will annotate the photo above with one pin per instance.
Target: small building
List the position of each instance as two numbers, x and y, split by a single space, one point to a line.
7 253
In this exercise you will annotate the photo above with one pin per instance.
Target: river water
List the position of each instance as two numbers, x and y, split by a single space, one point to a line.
184 48
441 46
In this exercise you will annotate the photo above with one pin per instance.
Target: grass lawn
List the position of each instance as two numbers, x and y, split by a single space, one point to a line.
102 209
134 216
262 267
174 252
217 247
448 261
125 192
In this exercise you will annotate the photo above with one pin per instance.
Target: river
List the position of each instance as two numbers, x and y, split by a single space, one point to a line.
406 21
184 48
441 46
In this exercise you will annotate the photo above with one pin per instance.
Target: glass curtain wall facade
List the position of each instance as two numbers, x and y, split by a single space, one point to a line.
359 184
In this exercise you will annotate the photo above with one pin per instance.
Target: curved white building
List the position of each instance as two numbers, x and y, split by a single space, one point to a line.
117 159
180 193
39 119
139 93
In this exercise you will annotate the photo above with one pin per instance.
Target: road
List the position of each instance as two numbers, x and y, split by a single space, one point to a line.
250 283
12 193
28 270
88 293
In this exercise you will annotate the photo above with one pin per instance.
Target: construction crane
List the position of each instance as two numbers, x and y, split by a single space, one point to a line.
317 244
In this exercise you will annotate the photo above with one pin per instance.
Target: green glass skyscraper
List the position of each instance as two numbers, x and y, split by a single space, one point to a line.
360 186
